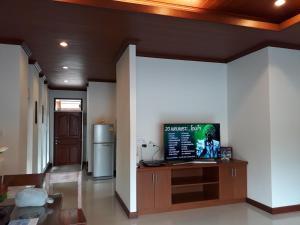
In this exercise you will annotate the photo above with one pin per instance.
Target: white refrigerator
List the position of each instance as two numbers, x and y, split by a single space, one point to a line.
104 145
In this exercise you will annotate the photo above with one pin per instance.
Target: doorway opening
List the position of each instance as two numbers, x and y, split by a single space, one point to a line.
67 131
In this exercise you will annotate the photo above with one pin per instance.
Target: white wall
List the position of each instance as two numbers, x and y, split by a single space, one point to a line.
176 91
23 88
37 133
43 127
285 125
263 93
14 104
66 94
101 99
249 121
126 127
32 141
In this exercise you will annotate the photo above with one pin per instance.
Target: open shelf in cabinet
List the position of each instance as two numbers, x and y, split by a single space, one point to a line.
195 184
194 180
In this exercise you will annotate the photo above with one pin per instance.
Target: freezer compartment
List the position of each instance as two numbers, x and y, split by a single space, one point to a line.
103 133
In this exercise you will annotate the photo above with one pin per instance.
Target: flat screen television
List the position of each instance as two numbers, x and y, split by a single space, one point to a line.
192 141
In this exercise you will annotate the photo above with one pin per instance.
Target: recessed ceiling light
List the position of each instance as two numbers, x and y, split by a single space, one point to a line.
66 81
65 67
63 44
279 3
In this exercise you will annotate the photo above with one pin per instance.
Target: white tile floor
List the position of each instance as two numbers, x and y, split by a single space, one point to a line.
102 208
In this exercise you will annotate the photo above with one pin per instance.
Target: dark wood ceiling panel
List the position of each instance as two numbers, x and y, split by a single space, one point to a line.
262 14
261 9
96 35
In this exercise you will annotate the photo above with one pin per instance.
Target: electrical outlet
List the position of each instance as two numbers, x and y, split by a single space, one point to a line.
140 141
144 145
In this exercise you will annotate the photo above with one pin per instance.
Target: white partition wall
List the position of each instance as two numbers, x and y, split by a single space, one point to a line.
263 97
32 142
126 128
249 121
284 68
14 106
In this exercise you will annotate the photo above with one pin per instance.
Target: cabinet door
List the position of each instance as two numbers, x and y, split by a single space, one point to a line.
146 191
163 189
233 181
240 182
226 182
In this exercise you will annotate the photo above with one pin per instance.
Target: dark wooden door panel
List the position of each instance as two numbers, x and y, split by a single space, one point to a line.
62 155
67 138
61 125
74 126
233 182
75 153
146 191
240 182
226 182
163 189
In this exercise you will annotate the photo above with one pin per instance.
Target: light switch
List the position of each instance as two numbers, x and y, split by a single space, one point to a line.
140 141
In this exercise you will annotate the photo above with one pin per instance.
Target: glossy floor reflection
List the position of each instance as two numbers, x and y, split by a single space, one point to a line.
101 207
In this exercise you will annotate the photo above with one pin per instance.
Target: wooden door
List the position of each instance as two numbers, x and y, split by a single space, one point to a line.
233 181
146 191
240 182
226 182
162 189
67 138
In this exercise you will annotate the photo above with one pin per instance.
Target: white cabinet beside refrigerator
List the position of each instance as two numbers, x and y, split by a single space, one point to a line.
104 145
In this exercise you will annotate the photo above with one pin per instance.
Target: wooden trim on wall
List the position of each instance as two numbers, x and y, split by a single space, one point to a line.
277 210
179 57
32 61
262 45
259 205
26 49
101 80
11 41
286 209
124 46
130 215
66 89
35 64
255 48
15 41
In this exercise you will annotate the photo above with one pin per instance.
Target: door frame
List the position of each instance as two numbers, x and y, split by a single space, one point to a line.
82 126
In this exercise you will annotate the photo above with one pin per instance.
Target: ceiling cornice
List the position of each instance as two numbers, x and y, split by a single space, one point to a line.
123 47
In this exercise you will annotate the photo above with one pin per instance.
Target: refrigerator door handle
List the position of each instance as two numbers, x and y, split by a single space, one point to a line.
104 143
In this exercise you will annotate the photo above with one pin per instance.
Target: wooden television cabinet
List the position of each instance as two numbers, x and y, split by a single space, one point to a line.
187 186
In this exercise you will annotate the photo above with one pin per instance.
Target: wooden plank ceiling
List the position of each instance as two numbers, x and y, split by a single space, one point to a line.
209 30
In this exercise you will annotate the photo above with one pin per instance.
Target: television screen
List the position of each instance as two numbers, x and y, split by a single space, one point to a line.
192 141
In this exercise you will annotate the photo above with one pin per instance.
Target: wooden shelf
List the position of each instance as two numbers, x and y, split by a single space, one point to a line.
192 197
195 180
